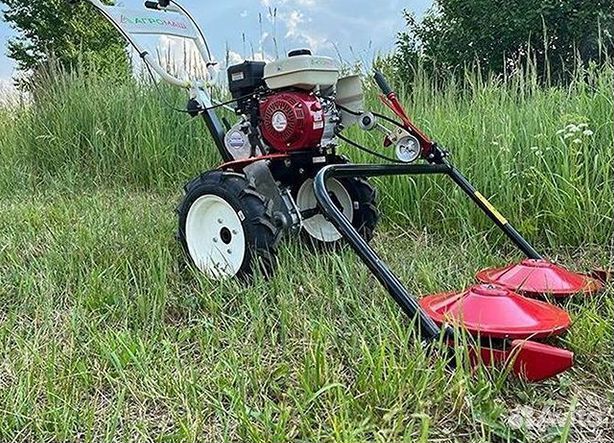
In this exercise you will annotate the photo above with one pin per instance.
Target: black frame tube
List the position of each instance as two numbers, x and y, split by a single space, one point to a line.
492 213
408 303
428 328
217 131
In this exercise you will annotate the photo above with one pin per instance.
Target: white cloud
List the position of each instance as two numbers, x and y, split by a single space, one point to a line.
8 92
297 25
234 58
326 27
262 56
292 22
273 3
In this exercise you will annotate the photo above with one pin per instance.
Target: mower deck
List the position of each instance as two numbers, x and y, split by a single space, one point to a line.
535 278
502 321
496 312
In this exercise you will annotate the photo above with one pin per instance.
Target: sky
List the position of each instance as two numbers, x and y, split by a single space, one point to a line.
351 29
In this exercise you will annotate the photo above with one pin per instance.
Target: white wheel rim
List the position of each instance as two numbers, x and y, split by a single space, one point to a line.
215 236
318 227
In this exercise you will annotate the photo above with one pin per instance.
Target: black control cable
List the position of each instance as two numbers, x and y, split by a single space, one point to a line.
378 115
367 150
364 148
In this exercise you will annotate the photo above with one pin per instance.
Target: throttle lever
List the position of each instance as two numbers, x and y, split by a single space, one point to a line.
382 83
390 99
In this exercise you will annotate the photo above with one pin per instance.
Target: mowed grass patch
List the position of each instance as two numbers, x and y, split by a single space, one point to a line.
107 335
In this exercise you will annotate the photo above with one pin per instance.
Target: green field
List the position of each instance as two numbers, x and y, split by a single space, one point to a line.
106 335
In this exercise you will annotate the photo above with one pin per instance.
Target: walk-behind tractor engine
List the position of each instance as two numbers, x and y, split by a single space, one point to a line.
288 105
289 114
289 117
281 175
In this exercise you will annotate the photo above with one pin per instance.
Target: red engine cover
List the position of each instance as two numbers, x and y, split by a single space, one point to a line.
292 121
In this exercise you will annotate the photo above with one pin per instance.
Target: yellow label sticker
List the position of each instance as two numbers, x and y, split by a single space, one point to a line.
491 208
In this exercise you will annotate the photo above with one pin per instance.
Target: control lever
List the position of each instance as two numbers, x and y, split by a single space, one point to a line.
382 83
390 99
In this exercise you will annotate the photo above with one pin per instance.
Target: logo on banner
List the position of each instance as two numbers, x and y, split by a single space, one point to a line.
125 20
149 22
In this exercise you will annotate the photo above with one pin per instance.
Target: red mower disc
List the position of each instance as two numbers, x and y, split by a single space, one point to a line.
540 277
496 312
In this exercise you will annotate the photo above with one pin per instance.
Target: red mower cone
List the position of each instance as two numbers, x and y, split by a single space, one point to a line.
509 320
496 312
540 277
532 361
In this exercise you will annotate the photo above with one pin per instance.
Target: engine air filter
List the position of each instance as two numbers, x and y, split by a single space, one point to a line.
540 277
496 312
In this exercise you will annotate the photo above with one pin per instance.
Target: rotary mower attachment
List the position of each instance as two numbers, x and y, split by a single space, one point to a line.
535 277
505 324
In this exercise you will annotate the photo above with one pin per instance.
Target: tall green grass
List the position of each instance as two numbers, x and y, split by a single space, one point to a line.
543 155
106 335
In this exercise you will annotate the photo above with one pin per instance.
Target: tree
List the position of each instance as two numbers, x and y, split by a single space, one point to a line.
495 33
71 35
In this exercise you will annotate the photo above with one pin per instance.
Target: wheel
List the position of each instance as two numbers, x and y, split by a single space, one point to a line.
226 227
355 197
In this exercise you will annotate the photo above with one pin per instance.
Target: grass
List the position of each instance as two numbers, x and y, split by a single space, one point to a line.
105 335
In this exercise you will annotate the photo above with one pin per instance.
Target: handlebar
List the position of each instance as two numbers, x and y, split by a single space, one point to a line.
382 83
160 4
110 13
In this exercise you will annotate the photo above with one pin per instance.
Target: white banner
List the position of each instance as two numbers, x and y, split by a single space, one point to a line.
135 21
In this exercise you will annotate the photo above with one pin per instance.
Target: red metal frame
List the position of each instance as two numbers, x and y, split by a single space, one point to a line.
392 102
239 165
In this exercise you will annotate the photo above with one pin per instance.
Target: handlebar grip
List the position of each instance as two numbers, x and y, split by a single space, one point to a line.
382 83
151 5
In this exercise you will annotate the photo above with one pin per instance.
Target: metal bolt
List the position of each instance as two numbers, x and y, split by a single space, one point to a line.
229 251
220 221
235 232
214 240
